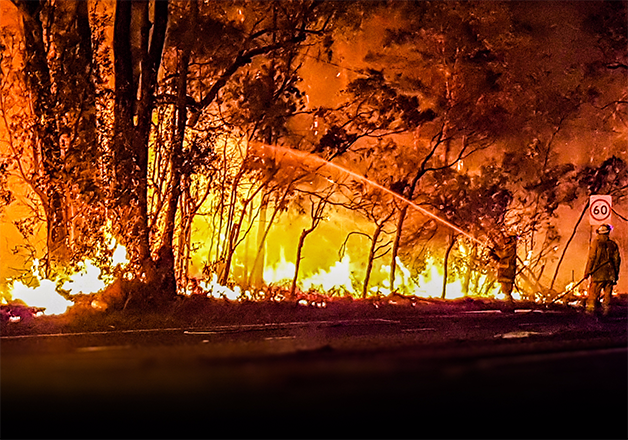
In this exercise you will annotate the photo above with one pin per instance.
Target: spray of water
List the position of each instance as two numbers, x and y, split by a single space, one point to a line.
296 154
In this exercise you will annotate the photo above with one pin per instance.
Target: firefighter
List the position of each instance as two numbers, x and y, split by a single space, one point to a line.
506 256
603 269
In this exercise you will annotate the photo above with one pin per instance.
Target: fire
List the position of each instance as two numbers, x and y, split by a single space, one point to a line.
270 264
282 271
337 277
431 284
88 280
321 269
342 274
216 290
119 256
45 293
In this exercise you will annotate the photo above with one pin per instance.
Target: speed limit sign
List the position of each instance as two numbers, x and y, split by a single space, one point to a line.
600 208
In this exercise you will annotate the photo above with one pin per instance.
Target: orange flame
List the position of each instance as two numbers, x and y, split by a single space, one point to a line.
88 279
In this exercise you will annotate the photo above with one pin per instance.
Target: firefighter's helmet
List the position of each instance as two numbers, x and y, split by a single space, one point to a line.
604 229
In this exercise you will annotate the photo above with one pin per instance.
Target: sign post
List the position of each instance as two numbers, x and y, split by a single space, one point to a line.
600 209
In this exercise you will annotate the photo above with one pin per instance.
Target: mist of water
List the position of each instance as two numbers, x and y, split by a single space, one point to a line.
308 157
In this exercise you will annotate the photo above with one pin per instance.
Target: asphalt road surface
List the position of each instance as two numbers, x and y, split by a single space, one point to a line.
482 374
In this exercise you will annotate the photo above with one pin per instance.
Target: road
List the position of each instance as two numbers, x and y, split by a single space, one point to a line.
481 374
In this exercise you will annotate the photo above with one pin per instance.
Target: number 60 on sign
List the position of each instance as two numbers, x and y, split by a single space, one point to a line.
600 209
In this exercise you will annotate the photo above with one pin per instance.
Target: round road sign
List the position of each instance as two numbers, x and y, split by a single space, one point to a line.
600 209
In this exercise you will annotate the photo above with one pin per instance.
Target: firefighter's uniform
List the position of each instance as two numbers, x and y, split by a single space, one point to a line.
603 268
507 266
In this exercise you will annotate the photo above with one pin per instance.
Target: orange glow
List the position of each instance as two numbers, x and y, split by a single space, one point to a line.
42 294
321 268
45 293
302 156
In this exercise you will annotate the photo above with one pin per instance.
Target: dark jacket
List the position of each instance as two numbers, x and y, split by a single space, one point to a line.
604 260
506 257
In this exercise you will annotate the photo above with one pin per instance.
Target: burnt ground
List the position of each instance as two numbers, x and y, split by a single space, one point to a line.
370 369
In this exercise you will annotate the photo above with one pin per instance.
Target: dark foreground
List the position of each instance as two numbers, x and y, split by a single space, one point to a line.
463 371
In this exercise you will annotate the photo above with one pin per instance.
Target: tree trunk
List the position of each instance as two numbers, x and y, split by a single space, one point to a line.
452 241
297 264
256 278
168 270
371 259
259 257
57 234
395 248
131 139
127 187
232 243
466 282
38 80
573 234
